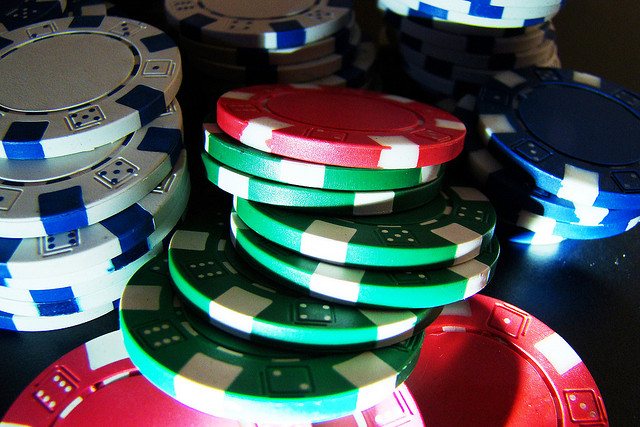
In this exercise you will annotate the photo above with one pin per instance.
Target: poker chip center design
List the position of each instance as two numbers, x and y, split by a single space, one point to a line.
569 119
79 76
485 388
344 111
259 9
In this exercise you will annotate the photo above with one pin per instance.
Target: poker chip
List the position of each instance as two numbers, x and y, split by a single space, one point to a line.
19 13
388 132
478 76
48 257
412 32
482 9
82 283
110 288
399 21
500 182
61 103
449 230
375 287
337 42
550 226
217 373
504 367
329 202
270 25
12 322
276 168
570 158
105 380
43 288
58 195
444 78
512 18
208 272
456 59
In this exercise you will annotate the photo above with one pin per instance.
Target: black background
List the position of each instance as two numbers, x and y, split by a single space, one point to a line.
587 291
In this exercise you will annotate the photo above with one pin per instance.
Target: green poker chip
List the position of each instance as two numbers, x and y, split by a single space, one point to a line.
223 375
332 202
209 273
243 158
396 288
450 229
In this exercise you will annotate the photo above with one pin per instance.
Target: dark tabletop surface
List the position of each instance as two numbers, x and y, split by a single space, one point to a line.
587 291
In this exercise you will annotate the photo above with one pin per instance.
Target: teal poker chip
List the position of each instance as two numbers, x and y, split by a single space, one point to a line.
212 276
223 375
449 230
243 158
333 202
402 288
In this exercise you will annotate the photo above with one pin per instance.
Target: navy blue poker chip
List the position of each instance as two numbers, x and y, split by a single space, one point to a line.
498 179
576 134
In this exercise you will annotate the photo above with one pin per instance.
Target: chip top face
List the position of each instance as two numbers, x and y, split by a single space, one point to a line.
62 100
340 126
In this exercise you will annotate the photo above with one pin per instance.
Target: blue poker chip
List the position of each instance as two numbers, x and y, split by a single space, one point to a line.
574 133
19 13
552 227
497 179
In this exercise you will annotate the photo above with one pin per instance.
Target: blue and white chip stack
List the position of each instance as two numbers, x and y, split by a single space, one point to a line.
231 44
93 173
543 152
452 47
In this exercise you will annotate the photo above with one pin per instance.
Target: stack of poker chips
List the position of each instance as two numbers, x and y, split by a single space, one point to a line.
453 47
540 146
308 301
234 44
93 169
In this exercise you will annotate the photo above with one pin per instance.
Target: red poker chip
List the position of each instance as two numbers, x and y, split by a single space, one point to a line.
97 385
340 126
487 363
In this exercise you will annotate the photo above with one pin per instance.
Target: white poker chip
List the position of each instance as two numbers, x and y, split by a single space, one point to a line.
54 261
80 83
50 196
